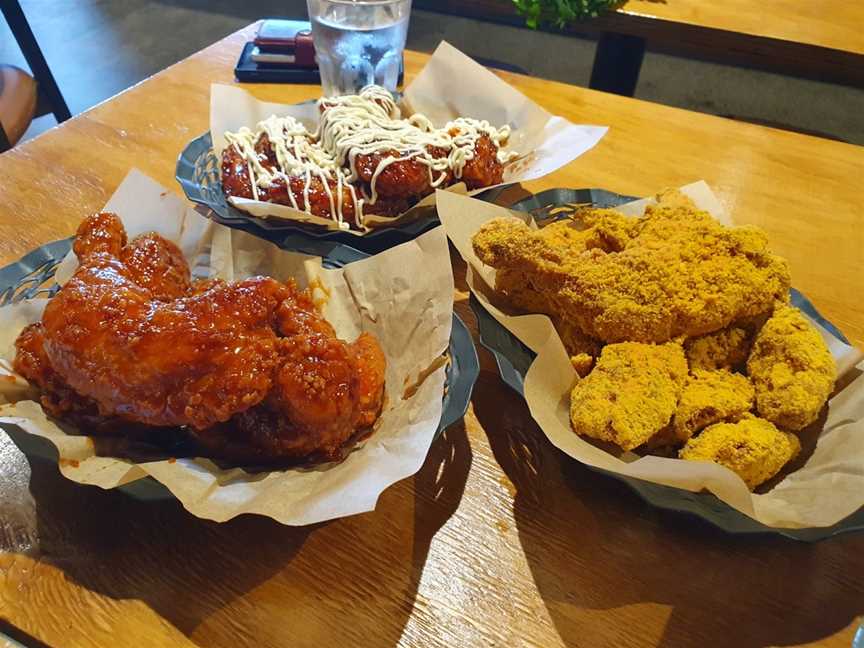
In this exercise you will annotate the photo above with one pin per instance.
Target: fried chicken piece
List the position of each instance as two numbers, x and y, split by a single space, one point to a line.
675 271
753 448
195 360
158 265
404 178
131 346
587 230
235 174
483 169
631 394
711 397
792 369
101 233
58 399
325 392
310 344
370 367
323 196
518 291
727 349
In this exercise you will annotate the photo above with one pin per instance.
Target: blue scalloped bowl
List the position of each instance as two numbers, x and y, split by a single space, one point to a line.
514 358
33 275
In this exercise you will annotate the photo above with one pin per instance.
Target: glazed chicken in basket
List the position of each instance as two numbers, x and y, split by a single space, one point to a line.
249 370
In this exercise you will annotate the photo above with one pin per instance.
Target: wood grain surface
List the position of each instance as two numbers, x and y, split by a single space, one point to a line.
814 39
834 24
499 540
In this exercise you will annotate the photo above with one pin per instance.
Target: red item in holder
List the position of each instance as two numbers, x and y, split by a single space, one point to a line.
288 37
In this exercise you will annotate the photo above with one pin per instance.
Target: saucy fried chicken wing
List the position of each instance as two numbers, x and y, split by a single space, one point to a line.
58 398
192 361
396 176
752 448
131 346
323 197
484 169
325 391
630 395
792 369
675 271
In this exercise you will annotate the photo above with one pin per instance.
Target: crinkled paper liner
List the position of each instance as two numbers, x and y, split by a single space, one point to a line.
403 296
451 85
828 488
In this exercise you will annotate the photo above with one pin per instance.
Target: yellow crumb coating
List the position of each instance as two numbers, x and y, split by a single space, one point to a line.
792 370
753 448
724 349
631 394
674 271
711 397
521 292
575 341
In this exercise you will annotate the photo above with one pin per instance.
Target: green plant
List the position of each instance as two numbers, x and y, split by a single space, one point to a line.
561 12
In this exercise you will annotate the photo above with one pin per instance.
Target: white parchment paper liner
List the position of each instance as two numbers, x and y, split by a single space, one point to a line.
828 488
404 296
451 85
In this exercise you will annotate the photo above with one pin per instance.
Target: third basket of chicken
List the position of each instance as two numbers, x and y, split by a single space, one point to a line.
679 327
360 162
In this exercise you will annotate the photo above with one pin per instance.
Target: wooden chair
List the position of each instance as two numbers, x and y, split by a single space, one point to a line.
17 104
22 98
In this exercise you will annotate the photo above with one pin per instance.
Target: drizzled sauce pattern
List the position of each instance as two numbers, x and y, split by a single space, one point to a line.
369 123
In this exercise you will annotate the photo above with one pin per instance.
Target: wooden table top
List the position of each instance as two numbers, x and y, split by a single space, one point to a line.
820 39
499 539
834 24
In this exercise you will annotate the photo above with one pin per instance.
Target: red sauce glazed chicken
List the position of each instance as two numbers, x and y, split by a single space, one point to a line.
249 370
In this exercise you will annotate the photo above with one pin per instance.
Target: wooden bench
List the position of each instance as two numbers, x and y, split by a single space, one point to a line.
822 40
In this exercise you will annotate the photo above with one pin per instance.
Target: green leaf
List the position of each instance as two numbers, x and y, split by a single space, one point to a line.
560 13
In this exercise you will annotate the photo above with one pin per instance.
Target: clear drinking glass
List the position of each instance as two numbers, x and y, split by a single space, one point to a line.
358 42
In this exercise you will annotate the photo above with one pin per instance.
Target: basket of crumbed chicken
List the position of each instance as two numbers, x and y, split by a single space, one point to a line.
681 341
679 328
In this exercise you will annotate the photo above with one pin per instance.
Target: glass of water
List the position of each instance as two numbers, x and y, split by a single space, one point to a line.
358 42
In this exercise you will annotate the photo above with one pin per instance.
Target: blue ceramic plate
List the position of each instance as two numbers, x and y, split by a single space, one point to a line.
514 358
33 275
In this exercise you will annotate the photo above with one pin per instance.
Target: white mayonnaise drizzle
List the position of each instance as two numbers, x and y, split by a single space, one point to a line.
366 124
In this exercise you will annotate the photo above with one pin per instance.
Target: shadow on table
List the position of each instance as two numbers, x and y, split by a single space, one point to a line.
601 558
354 578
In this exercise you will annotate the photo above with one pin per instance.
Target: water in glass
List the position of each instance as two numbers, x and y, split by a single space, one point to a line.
358 43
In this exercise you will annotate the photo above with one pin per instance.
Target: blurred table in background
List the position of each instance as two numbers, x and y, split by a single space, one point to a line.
822 40
499 540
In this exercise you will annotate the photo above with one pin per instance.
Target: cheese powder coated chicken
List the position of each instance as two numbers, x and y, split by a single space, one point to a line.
753 448
631 394
673 272
792 369
698 331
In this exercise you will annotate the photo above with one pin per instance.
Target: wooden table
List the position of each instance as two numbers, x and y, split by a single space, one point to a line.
499 539
820 39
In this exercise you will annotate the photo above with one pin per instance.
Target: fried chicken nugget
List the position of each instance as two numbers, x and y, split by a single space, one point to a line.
753 448
711 397
727 348
792 369
631 394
